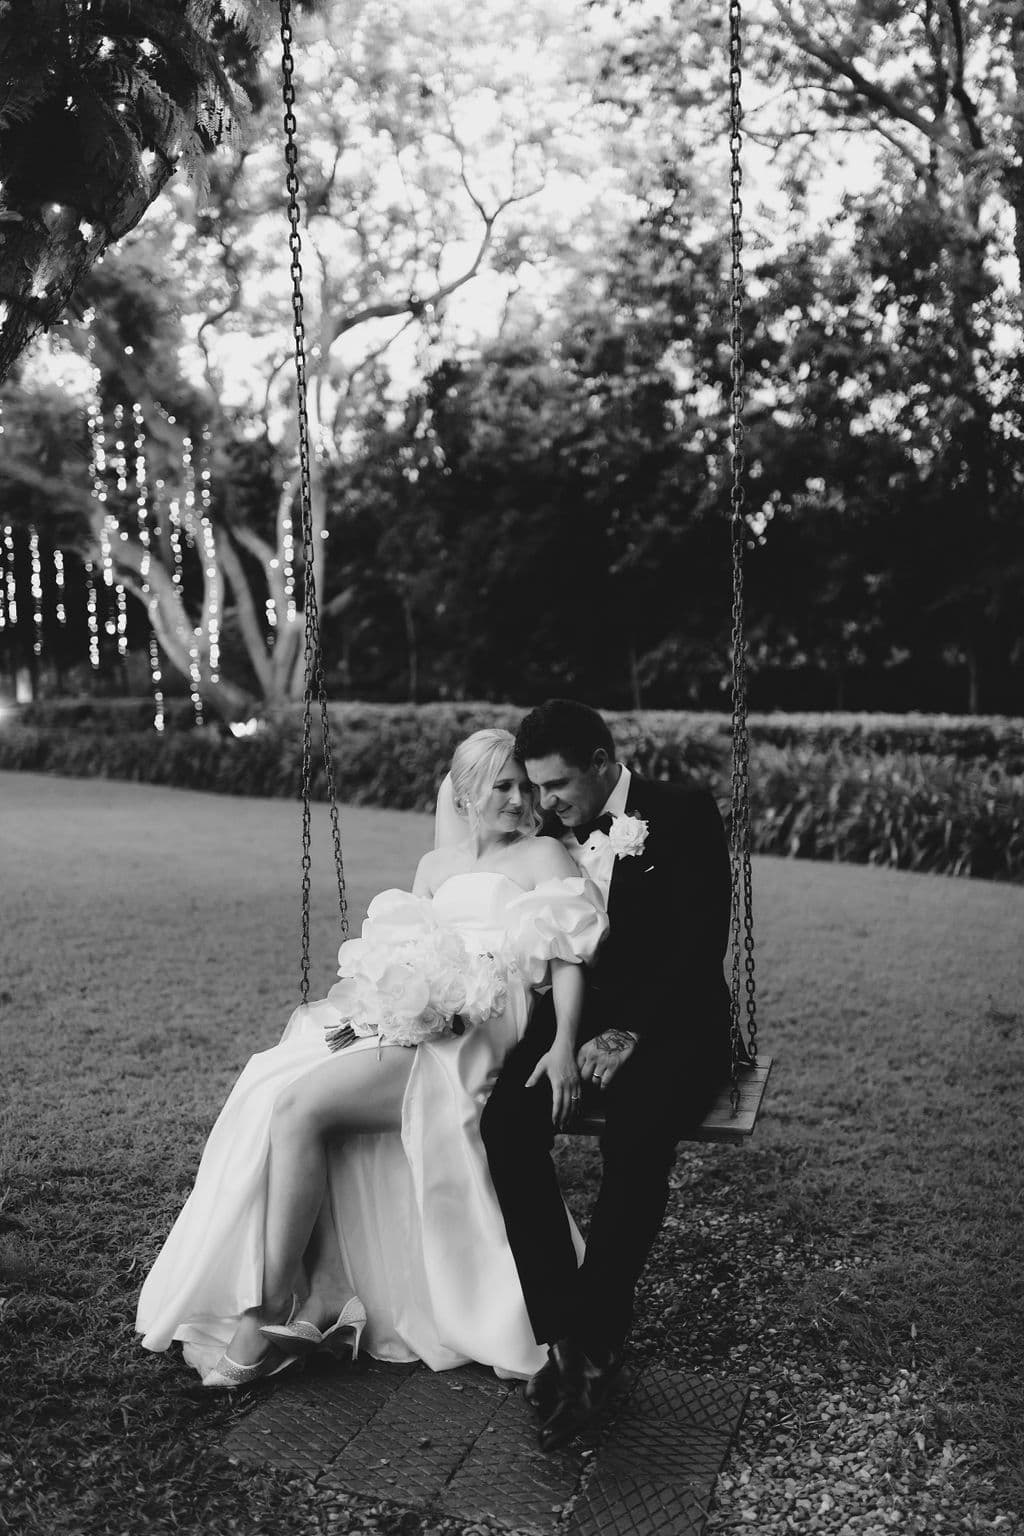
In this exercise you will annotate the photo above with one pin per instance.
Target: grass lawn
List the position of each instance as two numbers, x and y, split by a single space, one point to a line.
859 1263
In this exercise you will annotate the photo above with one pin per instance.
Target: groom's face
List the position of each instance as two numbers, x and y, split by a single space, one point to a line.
574 794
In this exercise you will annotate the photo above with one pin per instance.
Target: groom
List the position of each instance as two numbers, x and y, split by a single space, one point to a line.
654 1048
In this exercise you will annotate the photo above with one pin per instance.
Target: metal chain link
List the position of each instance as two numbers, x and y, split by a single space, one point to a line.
741 912
314 674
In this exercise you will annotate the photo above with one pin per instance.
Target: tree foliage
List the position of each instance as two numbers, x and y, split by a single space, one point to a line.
100 104
546 507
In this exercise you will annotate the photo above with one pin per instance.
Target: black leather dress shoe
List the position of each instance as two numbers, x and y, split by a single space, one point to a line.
598 1380
580 1389
559 1425
541 1391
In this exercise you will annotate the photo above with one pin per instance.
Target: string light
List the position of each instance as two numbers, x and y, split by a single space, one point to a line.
92 615
157 675
106 553
12 579
174 520
142 509
211 568
122 620
98 467
120 462
186 524
37 591
8 532
288 550
98 455
58 576
188 474
195 677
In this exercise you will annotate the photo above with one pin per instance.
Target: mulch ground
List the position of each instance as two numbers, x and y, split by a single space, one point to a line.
858 1263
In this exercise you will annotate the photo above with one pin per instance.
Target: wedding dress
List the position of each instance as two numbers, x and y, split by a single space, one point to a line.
420 1231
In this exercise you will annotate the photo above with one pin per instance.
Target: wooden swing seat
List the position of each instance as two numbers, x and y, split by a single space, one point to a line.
719 1124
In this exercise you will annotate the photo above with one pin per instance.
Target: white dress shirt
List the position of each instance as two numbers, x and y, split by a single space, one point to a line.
595 857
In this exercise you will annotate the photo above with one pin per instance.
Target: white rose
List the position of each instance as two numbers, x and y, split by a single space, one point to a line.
403 990
628 836
357 1003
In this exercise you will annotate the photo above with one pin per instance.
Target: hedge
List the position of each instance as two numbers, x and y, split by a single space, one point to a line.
839 787
994 738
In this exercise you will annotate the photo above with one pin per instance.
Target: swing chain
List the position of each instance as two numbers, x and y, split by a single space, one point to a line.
314 680
742 927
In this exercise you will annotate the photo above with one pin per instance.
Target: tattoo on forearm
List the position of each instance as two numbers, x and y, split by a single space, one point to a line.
615 1040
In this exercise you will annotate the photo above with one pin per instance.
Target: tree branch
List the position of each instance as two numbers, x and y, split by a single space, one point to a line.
869 89
248 622
957 89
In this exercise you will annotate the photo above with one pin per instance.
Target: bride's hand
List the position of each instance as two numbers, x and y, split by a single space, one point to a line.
559 1067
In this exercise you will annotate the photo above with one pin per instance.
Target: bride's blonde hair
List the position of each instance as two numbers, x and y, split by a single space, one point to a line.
476 767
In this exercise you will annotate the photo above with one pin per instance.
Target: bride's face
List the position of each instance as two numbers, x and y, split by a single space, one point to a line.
508 806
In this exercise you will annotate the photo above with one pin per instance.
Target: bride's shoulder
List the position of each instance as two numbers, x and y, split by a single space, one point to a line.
434 869
545 858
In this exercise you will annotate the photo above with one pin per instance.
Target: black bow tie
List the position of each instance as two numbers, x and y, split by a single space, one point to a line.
599 824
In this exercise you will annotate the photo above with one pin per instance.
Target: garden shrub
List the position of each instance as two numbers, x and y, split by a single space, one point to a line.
841 787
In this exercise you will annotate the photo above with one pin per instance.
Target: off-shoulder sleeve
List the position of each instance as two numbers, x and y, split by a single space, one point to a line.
560 919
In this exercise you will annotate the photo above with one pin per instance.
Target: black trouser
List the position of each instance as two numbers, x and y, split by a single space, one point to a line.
651 1102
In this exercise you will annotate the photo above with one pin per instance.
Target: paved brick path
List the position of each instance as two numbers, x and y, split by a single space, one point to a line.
462 1444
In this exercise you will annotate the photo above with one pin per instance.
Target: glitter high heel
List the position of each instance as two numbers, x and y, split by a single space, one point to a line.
227 1373
341 1339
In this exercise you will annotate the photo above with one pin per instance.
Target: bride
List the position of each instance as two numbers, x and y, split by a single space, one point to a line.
344 1186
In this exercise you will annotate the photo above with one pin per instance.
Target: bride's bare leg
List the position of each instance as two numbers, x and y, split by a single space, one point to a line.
329 1285
350 1093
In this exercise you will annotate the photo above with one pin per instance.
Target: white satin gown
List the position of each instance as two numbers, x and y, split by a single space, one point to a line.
420 1230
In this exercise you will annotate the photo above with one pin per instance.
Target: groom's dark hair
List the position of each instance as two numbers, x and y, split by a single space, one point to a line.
566 728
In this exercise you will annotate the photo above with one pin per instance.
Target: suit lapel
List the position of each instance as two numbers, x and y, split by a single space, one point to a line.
625 872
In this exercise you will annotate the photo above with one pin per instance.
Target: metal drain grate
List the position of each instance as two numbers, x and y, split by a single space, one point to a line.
463 1445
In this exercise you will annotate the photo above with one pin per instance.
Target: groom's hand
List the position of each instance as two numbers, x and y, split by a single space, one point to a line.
599 1059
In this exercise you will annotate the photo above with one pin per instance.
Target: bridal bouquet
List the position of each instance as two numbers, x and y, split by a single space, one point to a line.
408 984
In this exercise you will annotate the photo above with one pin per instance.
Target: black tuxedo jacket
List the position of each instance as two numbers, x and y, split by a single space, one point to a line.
660 970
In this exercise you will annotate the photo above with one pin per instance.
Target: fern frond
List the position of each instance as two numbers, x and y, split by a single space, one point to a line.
253 19
187 52
159 115
20 100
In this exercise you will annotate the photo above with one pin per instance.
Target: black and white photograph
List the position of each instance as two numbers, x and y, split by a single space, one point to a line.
511 767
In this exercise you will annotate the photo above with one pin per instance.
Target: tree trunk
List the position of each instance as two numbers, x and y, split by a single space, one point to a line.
634 680
412 645
248 619
973 681
230 701
1014 176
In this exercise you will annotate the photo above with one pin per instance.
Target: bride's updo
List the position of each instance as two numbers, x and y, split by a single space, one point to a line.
477 763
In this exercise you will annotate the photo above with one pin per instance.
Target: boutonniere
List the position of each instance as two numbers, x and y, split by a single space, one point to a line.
628 836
